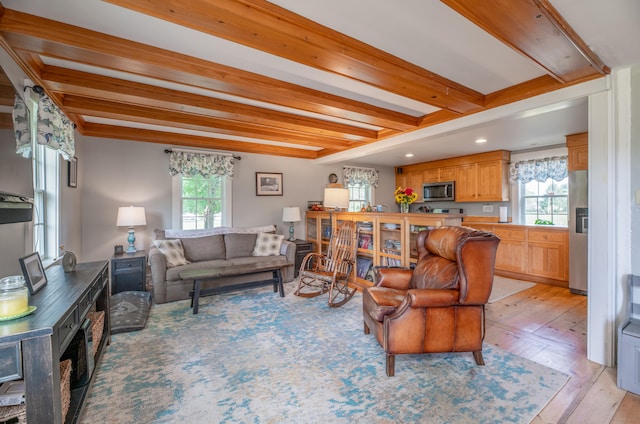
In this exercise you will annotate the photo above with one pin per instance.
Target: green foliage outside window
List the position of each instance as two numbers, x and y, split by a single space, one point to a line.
201 202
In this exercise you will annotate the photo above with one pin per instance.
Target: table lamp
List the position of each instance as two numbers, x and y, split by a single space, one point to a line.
291 215
335 199
130 216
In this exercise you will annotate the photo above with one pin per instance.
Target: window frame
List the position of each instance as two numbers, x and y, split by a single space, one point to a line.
356 205
523 202
177 201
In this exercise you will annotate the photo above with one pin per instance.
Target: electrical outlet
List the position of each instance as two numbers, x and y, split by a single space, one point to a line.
487 208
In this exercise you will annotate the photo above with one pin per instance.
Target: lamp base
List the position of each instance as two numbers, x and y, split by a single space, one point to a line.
291 237
131 239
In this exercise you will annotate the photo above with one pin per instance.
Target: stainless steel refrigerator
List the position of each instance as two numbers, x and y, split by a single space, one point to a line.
578 229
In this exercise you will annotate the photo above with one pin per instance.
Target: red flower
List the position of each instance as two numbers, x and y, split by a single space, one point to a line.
408 191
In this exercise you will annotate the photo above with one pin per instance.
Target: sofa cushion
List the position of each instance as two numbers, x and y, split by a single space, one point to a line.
173 274
160 234
267 244
238 245
173 252
204 248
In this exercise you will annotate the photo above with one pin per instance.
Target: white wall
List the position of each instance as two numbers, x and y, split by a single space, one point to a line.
120 173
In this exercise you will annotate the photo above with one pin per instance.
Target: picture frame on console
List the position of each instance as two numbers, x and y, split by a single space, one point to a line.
268 184
33 272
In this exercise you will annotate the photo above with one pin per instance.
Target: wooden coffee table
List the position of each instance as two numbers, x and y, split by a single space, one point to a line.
201 275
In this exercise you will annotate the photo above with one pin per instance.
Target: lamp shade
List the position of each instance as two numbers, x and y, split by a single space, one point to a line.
130 216
291 214
337 198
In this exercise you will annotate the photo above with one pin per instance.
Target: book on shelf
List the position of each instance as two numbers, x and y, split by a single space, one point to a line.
388 261
363 265
364 242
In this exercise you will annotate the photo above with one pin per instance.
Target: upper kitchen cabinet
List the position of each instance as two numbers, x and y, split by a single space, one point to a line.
483 177
578 146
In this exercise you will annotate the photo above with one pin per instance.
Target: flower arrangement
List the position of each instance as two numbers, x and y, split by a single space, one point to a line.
405 195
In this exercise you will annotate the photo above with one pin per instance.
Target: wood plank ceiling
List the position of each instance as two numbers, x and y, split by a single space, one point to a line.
248 112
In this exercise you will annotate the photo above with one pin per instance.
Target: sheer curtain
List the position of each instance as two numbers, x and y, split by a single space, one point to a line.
191 164
540 169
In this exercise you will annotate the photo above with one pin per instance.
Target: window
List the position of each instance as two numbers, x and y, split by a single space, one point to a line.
46 196
546 201
360 182
201 203
359 196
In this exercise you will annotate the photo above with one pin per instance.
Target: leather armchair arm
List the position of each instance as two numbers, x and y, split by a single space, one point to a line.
430 298
394 278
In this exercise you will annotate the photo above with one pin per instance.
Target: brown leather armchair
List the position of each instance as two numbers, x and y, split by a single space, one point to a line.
438 306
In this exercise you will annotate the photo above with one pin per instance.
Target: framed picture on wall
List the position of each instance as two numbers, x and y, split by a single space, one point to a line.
72 180
268 184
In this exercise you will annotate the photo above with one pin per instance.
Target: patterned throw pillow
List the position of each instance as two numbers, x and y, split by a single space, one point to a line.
173 251
267 244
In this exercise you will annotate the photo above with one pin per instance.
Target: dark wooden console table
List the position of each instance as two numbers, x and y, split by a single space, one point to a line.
201 275
31 347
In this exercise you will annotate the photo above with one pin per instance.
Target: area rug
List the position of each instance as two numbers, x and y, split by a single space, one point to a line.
129 311
254 357
505 287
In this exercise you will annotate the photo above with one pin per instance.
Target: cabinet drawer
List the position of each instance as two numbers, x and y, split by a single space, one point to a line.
10 361
549 236
510 233
125 264
303 250
66 330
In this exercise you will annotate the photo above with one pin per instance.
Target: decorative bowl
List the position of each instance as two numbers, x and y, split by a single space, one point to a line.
390 226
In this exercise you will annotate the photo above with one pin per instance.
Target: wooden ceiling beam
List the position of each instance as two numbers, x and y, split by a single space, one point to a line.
267 27
107 88
535 29
165 137
58 40
132 113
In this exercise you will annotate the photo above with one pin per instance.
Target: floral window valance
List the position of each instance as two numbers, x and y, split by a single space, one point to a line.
540 169
54 130
191 164
360 176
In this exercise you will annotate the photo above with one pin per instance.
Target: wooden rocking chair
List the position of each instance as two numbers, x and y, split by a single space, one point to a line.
332 272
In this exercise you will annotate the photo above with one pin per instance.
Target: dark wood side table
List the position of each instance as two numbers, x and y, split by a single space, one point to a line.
128 271
302 248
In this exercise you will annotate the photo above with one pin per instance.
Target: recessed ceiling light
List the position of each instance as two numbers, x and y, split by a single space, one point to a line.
481 140
408 155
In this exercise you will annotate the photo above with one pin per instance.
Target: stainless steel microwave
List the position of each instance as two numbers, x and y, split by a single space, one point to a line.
434 192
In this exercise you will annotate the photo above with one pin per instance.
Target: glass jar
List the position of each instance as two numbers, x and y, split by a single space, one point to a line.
14 296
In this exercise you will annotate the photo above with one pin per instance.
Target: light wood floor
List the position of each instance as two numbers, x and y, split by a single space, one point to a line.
548 324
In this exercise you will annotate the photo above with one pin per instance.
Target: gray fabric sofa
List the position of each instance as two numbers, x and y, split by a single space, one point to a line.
220 247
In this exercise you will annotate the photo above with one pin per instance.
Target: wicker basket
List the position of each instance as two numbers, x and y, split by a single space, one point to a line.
11 412
97 328
65 387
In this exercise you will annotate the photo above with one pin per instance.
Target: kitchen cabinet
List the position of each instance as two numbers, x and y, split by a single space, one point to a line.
578 151
483 177
384 239
437 175
532 253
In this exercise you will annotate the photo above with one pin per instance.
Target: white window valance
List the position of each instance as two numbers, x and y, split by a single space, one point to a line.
360 176
54 129
540 169
190 164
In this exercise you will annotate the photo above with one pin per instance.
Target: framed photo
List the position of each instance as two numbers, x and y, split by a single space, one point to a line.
268 184
363 264
72 180
33 272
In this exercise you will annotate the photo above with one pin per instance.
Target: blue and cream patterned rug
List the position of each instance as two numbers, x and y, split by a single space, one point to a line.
253 357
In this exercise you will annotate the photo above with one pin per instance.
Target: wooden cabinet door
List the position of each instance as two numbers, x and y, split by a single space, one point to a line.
511 256
431 175
447 173
489 176
466 183
578 158
415 180
547 260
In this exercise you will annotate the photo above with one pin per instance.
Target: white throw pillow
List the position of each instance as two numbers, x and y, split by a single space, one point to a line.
173 251
267 244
